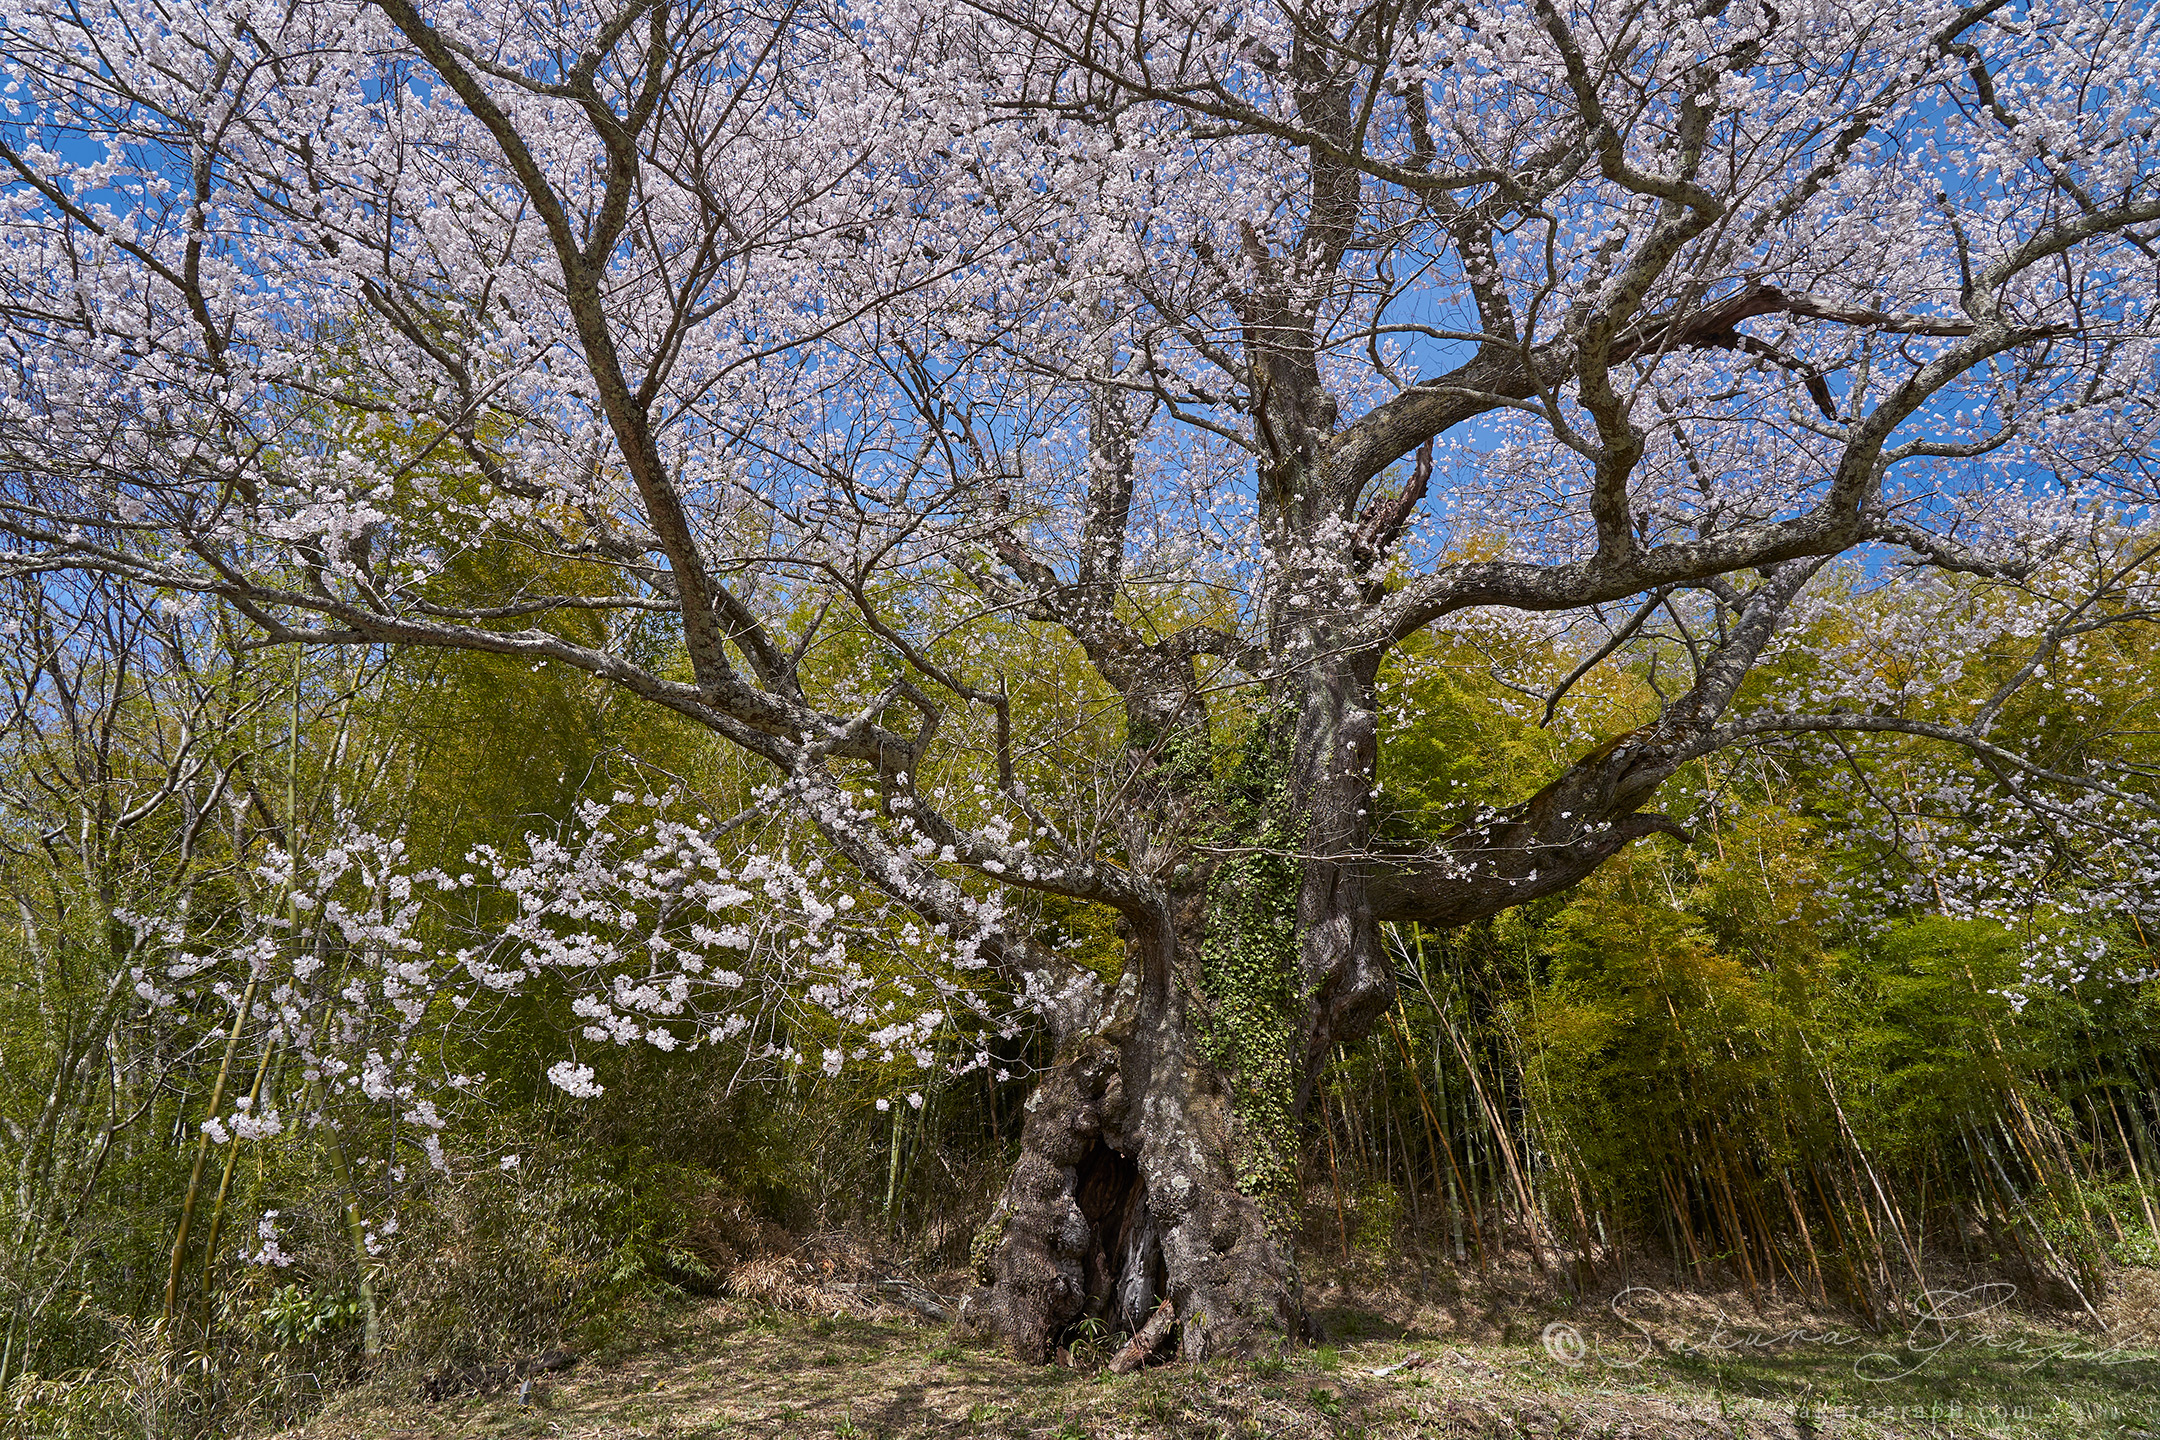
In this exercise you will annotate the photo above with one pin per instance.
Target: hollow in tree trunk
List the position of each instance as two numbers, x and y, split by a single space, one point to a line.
1141 1178
1159 1157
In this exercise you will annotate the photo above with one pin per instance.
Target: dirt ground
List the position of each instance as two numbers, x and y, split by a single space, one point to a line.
1470 1363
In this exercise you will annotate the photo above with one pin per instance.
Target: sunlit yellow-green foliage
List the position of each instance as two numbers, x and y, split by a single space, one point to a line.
1641 1015
1925 1031
1700 1051
1064 727
1713 1007
1461 731
1770 1045
1457 740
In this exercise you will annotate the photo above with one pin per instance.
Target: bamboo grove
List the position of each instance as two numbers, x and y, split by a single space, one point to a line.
1802 1055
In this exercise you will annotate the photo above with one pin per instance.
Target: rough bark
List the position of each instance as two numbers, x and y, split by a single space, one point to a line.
1161 1150
1127 1189
1153 1155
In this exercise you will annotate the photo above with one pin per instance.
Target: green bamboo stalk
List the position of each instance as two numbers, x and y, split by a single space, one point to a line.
232 1158
202 1155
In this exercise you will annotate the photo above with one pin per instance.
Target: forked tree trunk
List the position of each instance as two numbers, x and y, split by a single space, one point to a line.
1160 1153
1159 1158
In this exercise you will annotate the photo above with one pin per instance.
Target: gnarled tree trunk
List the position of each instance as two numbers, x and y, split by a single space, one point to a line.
1128 1188
1160 1154
1159 1157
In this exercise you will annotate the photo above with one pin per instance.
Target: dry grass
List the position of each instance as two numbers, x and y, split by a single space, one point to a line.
788 1356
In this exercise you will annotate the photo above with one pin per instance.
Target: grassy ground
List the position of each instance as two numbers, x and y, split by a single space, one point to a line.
1646 1366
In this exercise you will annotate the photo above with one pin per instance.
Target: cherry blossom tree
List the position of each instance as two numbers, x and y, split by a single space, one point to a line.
1220 350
